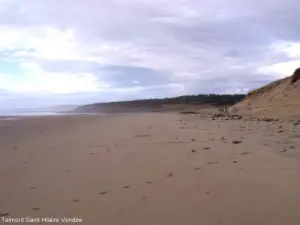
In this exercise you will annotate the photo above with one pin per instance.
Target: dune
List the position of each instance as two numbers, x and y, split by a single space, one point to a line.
277 99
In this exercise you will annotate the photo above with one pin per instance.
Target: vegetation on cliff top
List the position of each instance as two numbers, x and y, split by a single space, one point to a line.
210 99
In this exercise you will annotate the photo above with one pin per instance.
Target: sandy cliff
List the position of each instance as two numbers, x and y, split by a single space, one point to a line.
280 98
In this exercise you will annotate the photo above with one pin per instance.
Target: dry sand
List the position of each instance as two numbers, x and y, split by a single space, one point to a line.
150 169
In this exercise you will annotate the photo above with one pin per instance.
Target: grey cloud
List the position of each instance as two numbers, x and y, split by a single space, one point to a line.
128 76
279 18
240 81
117 76
68 66
195 43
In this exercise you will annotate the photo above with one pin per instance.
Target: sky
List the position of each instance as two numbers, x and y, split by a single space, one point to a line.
78 52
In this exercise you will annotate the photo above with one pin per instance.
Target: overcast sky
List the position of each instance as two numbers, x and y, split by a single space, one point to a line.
83 51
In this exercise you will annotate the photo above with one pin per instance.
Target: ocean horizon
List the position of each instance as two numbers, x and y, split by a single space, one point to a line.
37 112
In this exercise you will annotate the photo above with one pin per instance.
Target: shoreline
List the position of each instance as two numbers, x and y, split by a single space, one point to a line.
43 114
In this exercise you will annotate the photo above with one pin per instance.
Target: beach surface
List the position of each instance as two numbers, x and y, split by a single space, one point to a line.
150 169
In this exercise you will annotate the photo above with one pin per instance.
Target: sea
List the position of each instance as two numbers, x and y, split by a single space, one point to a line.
11 114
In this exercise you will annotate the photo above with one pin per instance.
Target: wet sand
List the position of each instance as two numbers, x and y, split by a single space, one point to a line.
150 168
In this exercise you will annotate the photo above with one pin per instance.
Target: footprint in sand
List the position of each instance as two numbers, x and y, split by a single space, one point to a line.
144 198
142 135
199 186
36 208
244 153
170 175
283 150
211 163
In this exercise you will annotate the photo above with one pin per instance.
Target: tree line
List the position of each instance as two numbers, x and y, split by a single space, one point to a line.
202 99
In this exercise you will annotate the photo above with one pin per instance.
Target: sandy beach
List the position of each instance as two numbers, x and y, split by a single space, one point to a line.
150 169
